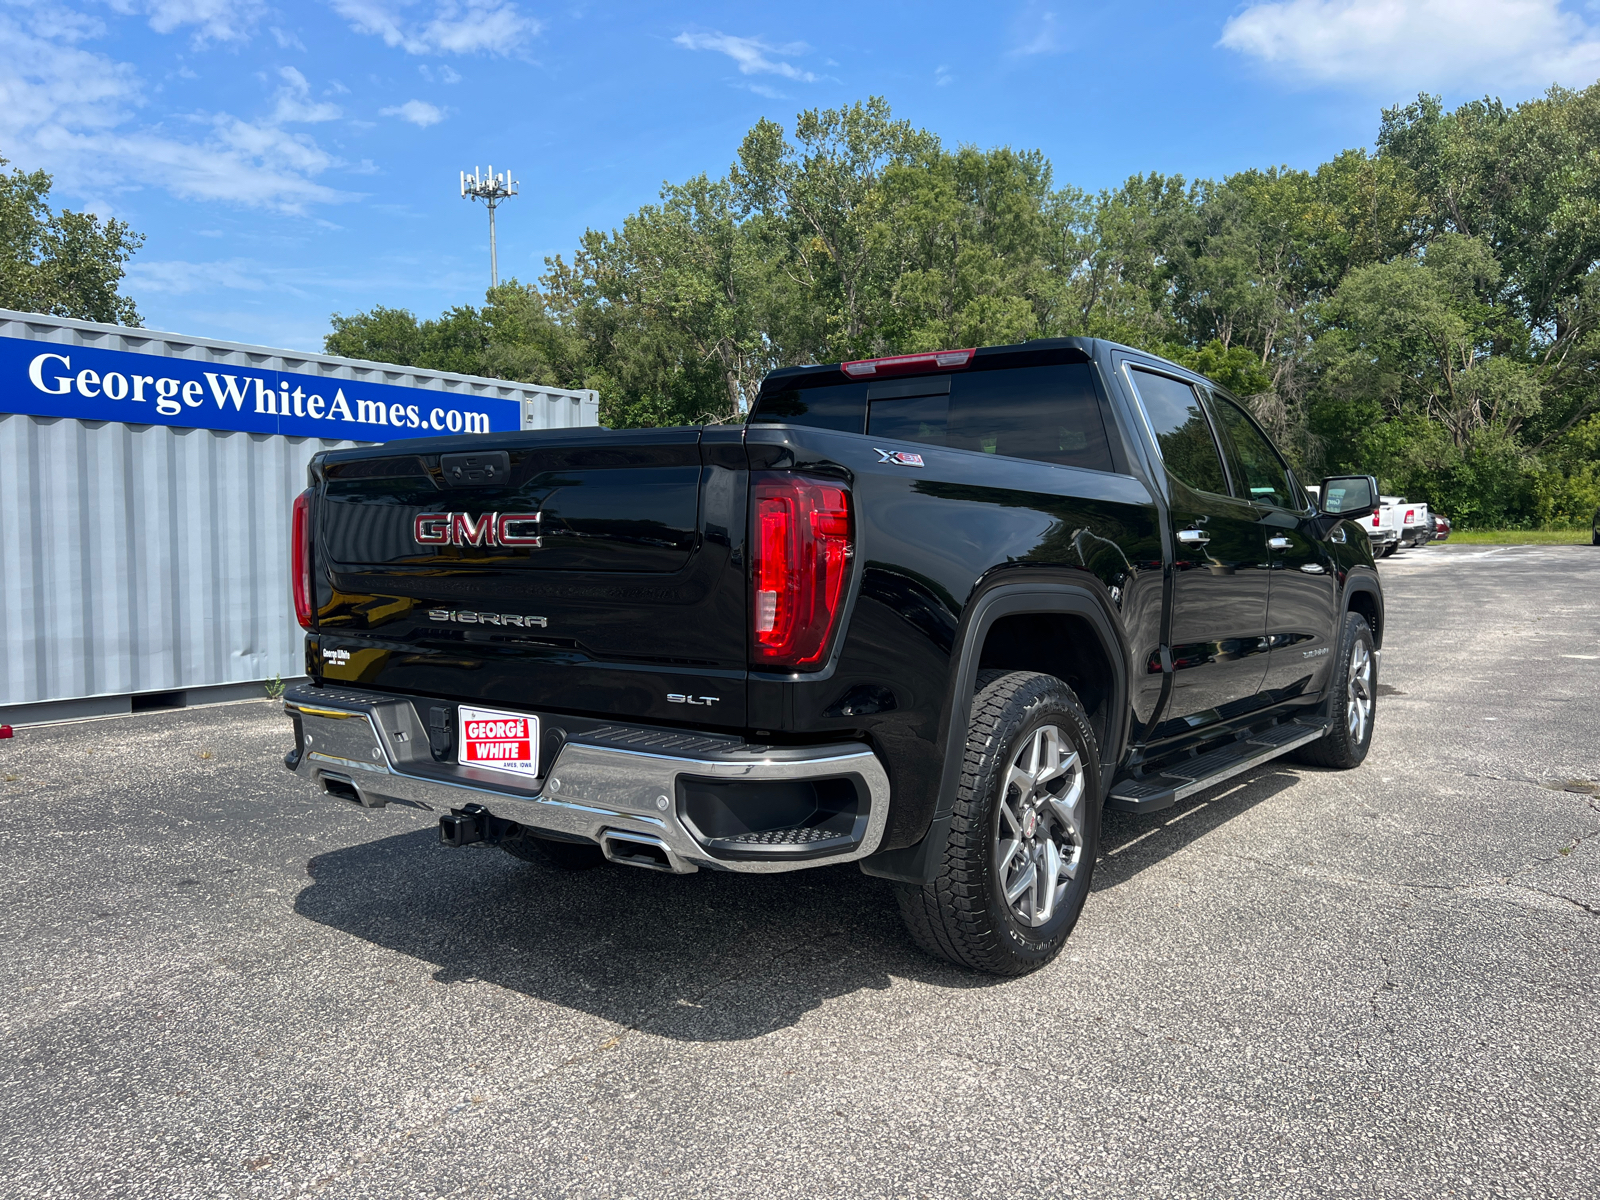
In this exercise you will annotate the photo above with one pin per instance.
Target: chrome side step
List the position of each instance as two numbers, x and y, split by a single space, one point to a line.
1179 780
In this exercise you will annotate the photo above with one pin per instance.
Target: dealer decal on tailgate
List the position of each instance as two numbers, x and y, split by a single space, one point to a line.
501 740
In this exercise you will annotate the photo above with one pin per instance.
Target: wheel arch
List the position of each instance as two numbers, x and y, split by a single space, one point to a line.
1363 595
1085 639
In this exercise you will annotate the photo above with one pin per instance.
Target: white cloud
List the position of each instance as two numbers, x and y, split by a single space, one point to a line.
1413 44
418 112
751 54
73 112
941 75
456 27
1034 31
214 20
233 160
49 79
294 103
178 278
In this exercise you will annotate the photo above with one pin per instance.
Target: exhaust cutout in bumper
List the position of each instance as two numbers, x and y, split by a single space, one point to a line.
642 850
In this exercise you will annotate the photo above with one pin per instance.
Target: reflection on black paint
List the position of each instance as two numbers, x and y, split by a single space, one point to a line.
918 601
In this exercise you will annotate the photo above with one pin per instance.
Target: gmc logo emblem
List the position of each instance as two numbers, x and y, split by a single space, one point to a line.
488 529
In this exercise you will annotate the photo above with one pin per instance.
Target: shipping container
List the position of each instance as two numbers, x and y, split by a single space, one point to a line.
146 482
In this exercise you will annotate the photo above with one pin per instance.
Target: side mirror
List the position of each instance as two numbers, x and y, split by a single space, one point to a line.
1349 496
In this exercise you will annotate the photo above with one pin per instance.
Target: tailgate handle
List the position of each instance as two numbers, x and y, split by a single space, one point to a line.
480 469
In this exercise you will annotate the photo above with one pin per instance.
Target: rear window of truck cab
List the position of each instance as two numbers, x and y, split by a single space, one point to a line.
1050 413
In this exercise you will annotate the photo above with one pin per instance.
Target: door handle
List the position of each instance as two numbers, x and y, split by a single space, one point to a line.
1193 537
1279 543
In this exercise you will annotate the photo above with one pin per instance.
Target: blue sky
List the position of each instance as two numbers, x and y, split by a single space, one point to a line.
290 161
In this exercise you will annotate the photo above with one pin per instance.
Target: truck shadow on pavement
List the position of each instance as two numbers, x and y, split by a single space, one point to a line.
704 957
1129 844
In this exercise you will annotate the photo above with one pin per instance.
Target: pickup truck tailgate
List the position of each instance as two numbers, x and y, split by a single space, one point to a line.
547 580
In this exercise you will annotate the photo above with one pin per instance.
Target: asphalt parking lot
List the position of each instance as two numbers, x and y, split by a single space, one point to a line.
1376 983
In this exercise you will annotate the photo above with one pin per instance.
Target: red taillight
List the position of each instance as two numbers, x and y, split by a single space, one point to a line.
1375 520
300 559
1411 515
905 364
800 560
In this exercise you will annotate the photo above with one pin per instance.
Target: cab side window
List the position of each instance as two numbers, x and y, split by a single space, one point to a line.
1258 472
1181 431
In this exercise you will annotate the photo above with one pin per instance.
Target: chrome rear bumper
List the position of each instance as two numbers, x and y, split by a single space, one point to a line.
373 748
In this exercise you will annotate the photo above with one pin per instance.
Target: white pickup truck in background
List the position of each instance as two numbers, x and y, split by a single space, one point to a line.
1399 523
1383 528
1412 521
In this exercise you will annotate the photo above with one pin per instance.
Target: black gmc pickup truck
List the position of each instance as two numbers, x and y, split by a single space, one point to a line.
927 613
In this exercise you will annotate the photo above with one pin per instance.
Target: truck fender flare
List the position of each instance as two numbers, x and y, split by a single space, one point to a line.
919 863
1366 583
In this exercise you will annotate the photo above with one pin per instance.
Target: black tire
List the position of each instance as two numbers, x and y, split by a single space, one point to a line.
964 915
1596 536
1353 701
569 856
1389 549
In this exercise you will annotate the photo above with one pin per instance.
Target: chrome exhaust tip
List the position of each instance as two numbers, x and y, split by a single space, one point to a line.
643 850
346 788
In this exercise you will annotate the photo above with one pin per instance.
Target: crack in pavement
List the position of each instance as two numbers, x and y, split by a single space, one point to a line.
1386 984
1476 886
1592 909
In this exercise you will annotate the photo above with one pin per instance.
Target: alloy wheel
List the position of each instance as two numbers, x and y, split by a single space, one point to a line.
1358 714
1039 836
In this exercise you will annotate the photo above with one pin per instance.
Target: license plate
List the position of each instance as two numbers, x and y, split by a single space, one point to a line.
501 741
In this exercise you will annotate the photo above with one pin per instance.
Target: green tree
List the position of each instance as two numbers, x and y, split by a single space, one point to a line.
379 335
67 264
822 206
679 280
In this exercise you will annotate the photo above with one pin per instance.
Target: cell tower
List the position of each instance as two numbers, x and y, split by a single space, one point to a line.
491 189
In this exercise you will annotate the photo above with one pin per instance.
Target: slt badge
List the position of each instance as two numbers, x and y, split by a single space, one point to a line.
898 457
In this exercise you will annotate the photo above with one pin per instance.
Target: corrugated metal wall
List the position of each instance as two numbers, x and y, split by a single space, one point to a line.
150 558
140 558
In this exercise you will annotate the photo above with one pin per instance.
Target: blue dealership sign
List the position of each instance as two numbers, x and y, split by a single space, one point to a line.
51 379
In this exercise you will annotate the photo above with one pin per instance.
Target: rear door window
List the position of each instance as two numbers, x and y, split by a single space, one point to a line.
842 407
1049 414
1188 447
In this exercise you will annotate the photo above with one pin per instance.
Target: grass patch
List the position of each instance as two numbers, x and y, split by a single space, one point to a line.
1521 537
